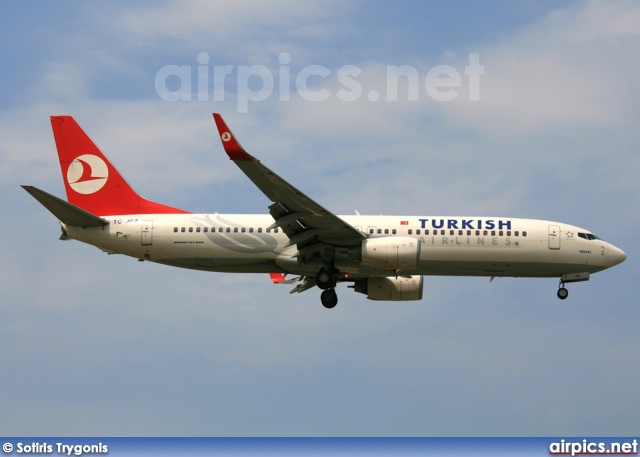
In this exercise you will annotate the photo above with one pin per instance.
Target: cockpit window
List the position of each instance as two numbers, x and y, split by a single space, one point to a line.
588 236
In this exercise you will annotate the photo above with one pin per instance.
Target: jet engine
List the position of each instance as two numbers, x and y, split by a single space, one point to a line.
402 288
393 252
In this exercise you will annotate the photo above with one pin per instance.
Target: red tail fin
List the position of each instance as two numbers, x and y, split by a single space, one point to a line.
91 181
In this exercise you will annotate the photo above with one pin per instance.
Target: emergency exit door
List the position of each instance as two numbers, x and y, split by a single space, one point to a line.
146 233
554 237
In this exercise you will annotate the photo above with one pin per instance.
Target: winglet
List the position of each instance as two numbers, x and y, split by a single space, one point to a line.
231 145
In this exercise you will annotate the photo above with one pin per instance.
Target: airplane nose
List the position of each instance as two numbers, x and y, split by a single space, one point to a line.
616 256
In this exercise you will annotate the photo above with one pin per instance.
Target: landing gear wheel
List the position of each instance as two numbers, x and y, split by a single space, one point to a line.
329 298
324 279
563 293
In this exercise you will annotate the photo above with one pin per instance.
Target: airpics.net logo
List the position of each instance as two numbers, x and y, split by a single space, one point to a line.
314 83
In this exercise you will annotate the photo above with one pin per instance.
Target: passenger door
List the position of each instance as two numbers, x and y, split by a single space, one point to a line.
554 237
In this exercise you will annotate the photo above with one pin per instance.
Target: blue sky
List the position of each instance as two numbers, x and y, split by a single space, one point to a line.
92 344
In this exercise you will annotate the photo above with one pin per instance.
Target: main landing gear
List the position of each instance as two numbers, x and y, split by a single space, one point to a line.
326 281
329 298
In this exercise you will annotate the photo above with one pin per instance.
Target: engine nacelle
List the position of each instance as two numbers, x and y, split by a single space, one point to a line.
393 252
391 289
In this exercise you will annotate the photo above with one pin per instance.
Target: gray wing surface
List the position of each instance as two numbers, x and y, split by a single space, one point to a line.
66 213
307 223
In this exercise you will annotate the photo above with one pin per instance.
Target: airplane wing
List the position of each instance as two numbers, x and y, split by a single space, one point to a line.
307 224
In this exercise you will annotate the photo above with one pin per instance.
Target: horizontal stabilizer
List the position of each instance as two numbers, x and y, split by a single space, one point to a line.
67 213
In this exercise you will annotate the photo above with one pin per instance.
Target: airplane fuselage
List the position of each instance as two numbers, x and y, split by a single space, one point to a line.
457 246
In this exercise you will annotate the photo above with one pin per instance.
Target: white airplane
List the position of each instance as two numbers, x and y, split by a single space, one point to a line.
384 257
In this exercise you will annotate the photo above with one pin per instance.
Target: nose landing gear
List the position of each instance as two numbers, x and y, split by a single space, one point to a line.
563 293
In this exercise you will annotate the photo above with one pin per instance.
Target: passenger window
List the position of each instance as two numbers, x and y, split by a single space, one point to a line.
243 230
182 229
379 231
260 230
500 233
235 230
493 233
393 232
206 229
251 230
485 233
228 229
198 229
508 232
275 230
175 229
410 232
516 233
477 232
451 232
524 233
386 231
190 229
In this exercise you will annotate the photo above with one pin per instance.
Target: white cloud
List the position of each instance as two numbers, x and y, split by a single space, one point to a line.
230 27
574 68
598 20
